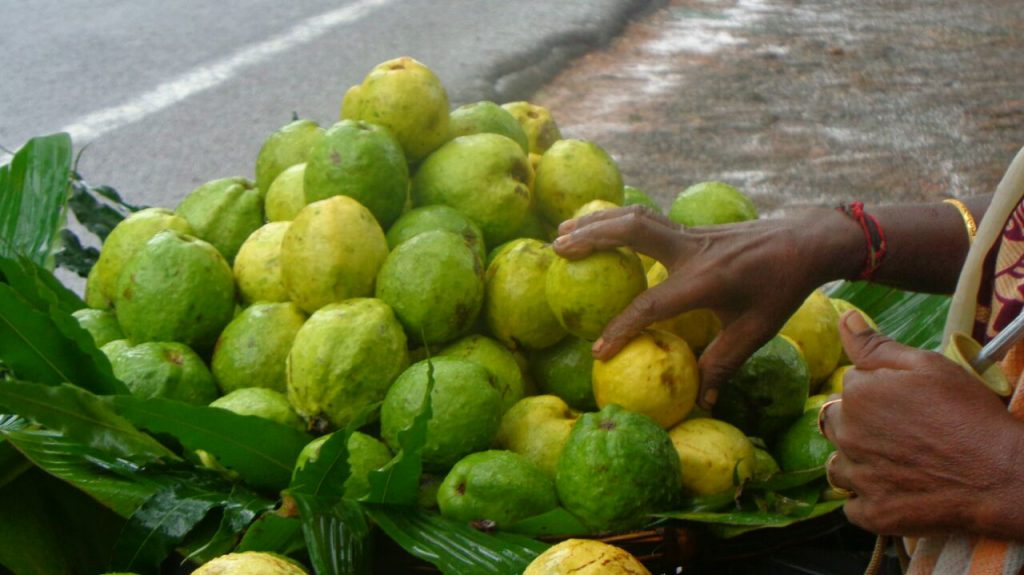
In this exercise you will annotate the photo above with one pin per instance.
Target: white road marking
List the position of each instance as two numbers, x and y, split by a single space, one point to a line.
96 124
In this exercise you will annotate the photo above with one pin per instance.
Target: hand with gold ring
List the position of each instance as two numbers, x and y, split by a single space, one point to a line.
924 447
829 465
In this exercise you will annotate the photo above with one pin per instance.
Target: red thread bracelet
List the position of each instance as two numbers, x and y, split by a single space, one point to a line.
874 237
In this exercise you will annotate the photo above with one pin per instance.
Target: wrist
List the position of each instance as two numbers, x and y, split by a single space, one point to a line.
997 513
836 243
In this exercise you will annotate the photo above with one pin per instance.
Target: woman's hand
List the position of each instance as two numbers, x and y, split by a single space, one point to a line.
753 275
926 448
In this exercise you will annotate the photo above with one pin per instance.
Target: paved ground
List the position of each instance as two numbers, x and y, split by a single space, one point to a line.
807 101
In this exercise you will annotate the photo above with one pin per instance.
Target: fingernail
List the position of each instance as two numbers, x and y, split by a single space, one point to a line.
711 396
855 322
561 241
598 346
567 226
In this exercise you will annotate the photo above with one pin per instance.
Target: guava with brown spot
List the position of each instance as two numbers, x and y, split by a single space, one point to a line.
516 305
162 369
587 293
495 487
250 563
252 350
223 212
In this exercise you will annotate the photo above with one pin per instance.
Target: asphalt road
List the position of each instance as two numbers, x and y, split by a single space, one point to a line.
168 95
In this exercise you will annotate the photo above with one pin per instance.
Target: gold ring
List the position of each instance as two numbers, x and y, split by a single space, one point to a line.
821 414
841 491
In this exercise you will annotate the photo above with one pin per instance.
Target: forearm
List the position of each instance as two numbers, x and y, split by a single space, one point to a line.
926 244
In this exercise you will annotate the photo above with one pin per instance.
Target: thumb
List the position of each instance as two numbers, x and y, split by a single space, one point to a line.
866 348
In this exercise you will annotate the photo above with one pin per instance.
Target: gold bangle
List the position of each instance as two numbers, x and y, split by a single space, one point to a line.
972 227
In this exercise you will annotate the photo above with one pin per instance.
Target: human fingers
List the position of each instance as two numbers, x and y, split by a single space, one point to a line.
870 350
633 228
660 302
737 341
837 474
569 226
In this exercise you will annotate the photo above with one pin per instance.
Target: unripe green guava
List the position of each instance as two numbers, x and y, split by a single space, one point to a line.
253 348
223 212
284 148
162 369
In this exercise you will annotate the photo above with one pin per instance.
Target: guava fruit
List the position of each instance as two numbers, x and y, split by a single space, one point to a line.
572 173
252 350
768 391
257 267
497 360
286 195
223 212
284 148
436 217
250 563
616 468
765 465
814 326
465 409
635 196
365 455
594 206
162 369
801 445
698 326
408 99
127 238
362 161
711 203
484 176
260 402
565 370
100 323
585 294
541 129
343 359
331 252
834 383
714 456
495 488
537 428
536 227
585 557
487 118
516 306
434 282
176 288
655 374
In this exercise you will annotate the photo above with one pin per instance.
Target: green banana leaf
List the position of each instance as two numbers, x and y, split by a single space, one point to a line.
915 319
33 193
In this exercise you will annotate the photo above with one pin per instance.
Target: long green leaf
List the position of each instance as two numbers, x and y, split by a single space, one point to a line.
324 477
557 522
759 519
261 451
51 348
38 286
454 547
240 509
118 485
82 417
337 537
915 319
50 528
274 534
33 192
156 527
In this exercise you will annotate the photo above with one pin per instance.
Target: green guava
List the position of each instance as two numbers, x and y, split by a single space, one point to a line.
436 217
286 195
711 203
484 176
331 252
223 212
100 323
362 161
434 282
252 350
495 488
565 370
123 242
250 563
801 445
572 173
616 468
635 196
343 359
541 129
768 391
586 294
365 455
260 402
284 148
516 306
497 359
487 118
176 288
257 266
162 369
536 227
408 99
465 409
765 465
